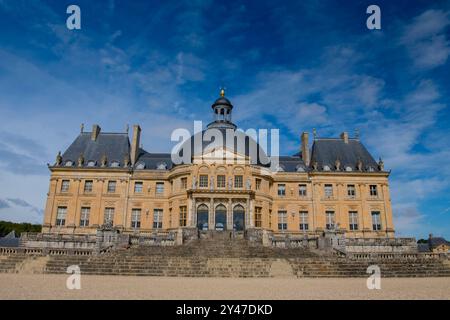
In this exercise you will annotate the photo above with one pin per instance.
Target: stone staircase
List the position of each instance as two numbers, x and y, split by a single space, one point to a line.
220 256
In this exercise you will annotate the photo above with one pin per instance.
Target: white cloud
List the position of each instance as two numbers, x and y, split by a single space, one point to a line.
426 39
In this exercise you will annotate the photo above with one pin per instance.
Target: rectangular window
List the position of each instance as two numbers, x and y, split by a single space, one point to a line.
65 185
353 220
302 190
351 191
136 218
258 184
109 216
281 190
304 226
157 218
183 183
84 218
328 190
160 188
183 216
138 187
203 181
373 190
238 181
282 220
258 217
88 186
376 220
221 181
329 215
111 186
61 214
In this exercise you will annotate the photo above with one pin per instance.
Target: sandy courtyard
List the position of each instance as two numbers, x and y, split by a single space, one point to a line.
14 286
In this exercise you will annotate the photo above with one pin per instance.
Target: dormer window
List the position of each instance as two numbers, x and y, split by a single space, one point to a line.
162 166
280 168
348 168
326 168
115 164
91 163
300 168
69 163
140 166
370 169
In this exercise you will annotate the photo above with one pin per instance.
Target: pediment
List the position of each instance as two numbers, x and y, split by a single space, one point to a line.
221 155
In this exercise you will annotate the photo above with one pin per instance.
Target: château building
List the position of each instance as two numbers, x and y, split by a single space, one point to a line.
104 179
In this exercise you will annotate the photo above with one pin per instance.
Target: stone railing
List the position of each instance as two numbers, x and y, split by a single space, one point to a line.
58 241
292 240
381 245
159 238
397 256
44 251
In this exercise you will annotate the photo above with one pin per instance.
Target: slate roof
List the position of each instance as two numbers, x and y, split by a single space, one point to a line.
325 151
153 161
117 145
114 145
437 241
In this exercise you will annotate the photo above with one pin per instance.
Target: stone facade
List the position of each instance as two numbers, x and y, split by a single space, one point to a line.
143 195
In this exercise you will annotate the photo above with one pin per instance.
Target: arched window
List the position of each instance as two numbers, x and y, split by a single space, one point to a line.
221 217
115 164
69 163
238 218
202 217
140 165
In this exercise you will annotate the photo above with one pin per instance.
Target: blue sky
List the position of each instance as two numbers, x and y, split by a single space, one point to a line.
293 65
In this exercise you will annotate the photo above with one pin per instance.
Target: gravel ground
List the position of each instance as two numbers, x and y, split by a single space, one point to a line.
38 286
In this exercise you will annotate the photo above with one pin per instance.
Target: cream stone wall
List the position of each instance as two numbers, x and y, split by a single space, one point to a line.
125 199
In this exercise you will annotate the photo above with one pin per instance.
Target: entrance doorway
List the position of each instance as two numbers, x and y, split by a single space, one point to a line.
238 218
221 218
202 217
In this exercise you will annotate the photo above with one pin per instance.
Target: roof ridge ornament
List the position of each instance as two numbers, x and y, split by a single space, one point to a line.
222 92
58 158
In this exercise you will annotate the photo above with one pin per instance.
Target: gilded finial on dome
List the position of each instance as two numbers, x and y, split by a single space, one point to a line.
222 92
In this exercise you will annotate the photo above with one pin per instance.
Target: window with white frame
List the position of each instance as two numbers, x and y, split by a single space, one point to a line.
258 217
136 218
109 216
328 190
304 225
353 220
157 218
184 183
282 220
302 190
111 186
88 186
376 220
138 187
183 216
221 181
281 190
160 188
373 190
238 181
258 184
351 191
65 185
61 214
330 222
84 217
203 181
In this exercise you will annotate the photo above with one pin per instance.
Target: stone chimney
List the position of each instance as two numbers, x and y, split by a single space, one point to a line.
95 132
305 148
344 136
135 143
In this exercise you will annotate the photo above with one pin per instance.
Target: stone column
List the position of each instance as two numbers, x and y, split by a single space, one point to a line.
247 214
230 215
251 215
211 222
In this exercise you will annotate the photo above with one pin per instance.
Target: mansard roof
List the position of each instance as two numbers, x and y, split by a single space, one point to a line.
115 146
325 151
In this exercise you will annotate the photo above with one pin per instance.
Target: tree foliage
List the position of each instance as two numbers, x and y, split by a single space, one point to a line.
7 226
